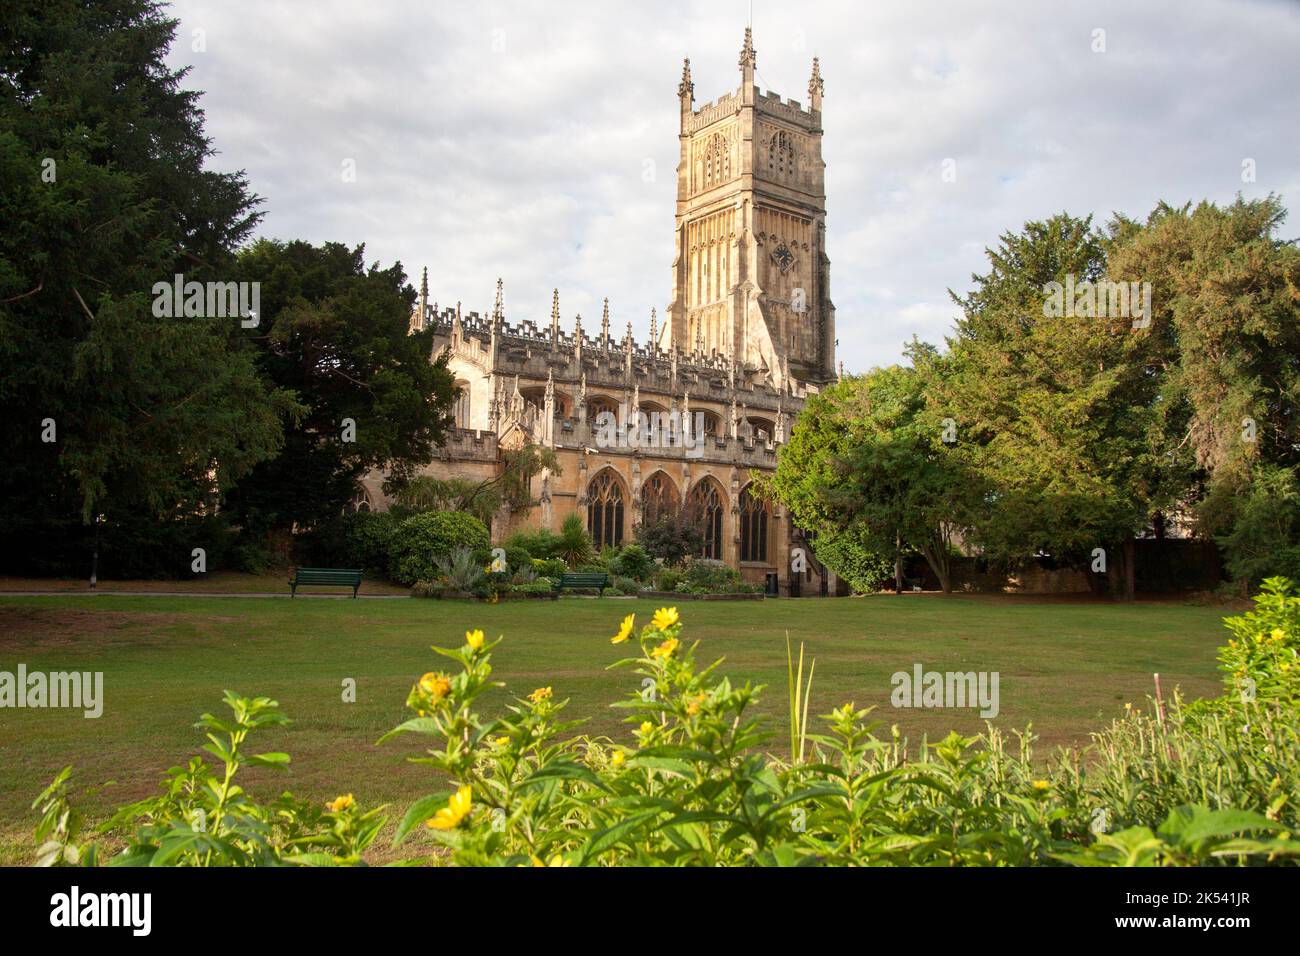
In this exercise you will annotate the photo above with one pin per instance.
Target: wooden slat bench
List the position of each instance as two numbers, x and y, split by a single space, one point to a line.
325 577
581 579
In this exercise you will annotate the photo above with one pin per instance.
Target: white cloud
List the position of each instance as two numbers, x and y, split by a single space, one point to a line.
510 139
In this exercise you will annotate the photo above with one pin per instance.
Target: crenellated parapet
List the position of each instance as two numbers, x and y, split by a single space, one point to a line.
529 352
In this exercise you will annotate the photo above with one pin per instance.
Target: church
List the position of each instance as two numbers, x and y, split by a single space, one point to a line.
748 334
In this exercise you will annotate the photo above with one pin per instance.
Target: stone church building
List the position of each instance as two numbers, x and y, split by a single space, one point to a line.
748 334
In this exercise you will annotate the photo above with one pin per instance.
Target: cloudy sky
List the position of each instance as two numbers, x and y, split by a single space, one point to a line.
537 141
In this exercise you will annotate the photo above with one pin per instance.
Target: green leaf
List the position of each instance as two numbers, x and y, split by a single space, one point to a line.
416 725
278 761
418 812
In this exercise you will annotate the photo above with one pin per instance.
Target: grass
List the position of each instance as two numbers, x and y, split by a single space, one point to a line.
1067 667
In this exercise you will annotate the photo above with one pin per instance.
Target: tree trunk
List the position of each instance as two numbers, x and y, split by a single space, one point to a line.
936 555
1130 569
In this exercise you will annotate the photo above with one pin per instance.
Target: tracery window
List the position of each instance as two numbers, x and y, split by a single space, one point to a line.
753 527
658 498
706 511
605 510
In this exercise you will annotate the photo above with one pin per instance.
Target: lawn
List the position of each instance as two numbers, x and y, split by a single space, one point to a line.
1065 666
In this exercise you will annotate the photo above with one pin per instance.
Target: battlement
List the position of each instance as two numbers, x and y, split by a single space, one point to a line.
467 444
710 113
792 110
530 351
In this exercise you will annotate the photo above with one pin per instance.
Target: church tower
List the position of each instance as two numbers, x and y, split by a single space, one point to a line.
750 273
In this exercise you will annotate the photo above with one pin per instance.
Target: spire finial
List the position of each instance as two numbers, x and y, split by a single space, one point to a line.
686 89
424 282
604 323
498 307
748 58
816 87
654 331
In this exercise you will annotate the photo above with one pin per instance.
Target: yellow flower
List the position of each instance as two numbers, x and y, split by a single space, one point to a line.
665 650
665 618
502 741
457 809
625 631
693 707
1278 634
436 686
474 639
539 695
616 760
557 860
647 727
340 803
1041 785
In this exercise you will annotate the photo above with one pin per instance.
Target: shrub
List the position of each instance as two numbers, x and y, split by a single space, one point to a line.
702 577
367 538
1265 536
203 817
673 538
550 567
462 571
667 579
631 561
539 542
541 587
574 545
713 577
863 569
517 558
421 539
1261 663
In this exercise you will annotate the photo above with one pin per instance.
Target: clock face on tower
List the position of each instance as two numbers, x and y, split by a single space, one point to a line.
783 257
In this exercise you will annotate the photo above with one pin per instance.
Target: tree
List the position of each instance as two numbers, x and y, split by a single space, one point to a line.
1056 410
335 334
1227 310
864 459
105 192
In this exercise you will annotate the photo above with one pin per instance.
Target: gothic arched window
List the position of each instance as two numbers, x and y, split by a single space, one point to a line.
658 498
753 527
780 154
461 409
605 510
717 160
360 502
706 511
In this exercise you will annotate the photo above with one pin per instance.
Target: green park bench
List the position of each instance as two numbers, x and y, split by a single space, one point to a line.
325 577
581 579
